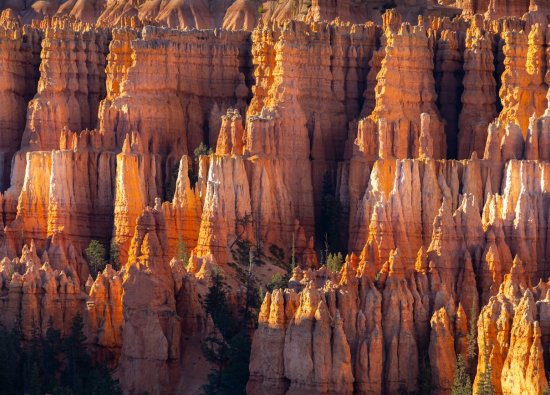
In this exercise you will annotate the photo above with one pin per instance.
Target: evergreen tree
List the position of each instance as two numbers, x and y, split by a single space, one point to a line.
11 361
50 356
77 359
216 304
80 375
34 382
170 186
95 253
485 386
201 150
228 348
335 261
215 350
182 253
472 334
32 371
330 224
425 380
462 384
114 253
235 376
100 381
277 281
36 368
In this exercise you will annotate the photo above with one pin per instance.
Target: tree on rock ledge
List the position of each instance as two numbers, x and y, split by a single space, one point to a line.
95 253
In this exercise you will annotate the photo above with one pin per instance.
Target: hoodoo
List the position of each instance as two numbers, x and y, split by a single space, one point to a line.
275 197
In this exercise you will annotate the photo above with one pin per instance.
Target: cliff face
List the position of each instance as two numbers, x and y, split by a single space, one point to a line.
171 105
434 237
151 327
309 127
478 100
19 70
243 14
69 89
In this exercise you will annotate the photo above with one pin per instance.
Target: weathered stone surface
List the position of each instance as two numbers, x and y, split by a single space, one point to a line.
350 124
69 87
405 89
442 355
18 75
151 329
523 91
479 96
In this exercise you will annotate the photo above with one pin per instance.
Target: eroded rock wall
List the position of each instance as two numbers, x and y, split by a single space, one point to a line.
107 154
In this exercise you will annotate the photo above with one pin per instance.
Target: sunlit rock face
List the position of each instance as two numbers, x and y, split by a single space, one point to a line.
187 137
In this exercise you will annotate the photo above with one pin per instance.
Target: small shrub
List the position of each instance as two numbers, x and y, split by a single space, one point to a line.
261 9
201 150
277 281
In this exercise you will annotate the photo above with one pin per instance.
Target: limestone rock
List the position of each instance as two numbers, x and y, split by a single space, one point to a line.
479 96
151 326
442 355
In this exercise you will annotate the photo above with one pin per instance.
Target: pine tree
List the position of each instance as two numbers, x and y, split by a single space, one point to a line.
251 297
36 368
293 252
50 356
182 253
277 281
95 253
425 379
485 386
335 261
228 348
11 361
32 370
78 361
114 253
330 223
472 333
34 383
170 185
216 304
462 384
215 350
201 150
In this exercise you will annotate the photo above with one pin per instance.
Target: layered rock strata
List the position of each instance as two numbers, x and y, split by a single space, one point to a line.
352 329
172 108
19 69
377 111
69 88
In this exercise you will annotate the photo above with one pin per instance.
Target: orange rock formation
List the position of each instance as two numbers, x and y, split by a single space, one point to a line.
105 104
